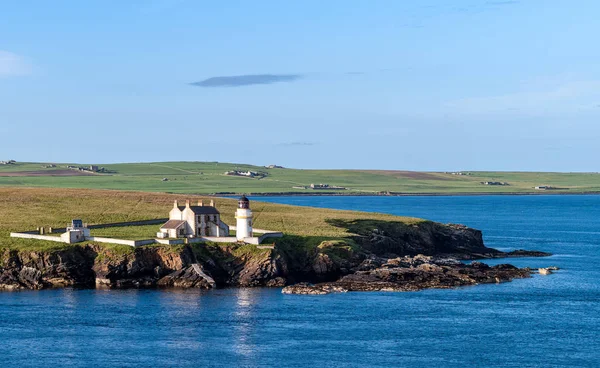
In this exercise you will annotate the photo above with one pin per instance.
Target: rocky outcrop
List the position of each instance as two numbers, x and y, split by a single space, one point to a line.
429 238
36 270
377 255
190 266
190 277
411 274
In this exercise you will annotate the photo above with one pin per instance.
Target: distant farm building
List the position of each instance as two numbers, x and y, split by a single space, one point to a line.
326 186
91 168
502 183
248 174
544 187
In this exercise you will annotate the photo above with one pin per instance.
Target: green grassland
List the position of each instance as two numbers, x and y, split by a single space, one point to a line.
209 178
23 209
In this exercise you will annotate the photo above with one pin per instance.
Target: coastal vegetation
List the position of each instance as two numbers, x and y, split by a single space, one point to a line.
210 178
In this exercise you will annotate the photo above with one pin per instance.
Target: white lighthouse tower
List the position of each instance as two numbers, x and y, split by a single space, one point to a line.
244 219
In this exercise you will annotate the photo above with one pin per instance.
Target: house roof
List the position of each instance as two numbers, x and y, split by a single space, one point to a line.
172 224
202 210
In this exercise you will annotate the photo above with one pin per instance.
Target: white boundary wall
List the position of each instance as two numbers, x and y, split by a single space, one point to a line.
136 243
36 236
132 243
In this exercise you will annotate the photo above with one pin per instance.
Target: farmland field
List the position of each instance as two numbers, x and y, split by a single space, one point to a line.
209 178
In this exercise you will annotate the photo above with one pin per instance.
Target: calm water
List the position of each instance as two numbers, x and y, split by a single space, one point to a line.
545 321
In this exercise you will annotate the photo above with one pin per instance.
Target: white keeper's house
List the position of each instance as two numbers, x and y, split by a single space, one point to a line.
194 221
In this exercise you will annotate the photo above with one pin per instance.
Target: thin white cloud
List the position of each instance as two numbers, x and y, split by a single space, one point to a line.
12 64
565 97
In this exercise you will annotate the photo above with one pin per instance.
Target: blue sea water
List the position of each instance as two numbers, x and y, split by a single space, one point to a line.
545 321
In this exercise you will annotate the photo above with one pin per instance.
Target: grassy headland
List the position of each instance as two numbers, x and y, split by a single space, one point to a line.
24 209
209 178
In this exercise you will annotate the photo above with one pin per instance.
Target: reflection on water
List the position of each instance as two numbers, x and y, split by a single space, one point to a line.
245 300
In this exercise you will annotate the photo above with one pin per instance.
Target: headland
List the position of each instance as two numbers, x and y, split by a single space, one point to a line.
353 250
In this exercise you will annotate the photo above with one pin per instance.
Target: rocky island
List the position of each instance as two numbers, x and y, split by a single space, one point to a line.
332 251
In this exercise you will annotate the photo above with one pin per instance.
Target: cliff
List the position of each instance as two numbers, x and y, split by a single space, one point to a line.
369 245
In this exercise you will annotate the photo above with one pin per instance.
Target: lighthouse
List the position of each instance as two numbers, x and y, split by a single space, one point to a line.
243 216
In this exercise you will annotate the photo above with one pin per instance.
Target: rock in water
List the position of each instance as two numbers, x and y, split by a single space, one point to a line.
413 273
310 289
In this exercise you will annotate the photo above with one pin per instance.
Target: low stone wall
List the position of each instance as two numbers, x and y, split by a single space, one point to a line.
214 239
132 243
258 231
136 243
113 224
159 221
169 241
262 231
269 235
28 235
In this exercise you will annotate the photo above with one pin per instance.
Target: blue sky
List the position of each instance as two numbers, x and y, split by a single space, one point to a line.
418 85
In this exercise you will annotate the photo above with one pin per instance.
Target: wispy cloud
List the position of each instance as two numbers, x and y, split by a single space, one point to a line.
502 2
298 144
13 65
247 80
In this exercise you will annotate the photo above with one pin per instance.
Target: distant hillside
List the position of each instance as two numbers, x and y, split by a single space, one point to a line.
211 178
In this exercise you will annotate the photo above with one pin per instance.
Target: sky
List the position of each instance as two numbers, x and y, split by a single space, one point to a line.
434 85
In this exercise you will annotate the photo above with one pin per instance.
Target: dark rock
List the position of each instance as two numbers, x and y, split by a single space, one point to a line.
306 288
190 277
416 273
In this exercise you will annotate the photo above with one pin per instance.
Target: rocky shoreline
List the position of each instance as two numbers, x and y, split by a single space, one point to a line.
376 256
412 274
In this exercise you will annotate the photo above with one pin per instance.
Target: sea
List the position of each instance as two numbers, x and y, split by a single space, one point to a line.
543 321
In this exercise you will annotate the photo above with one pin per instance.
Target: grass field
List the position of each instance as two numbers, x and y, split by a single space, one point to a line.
28 208
209 178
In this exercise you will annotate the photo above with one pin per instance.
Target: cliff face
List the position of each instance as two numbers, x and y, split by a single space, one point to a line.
294 259
429 238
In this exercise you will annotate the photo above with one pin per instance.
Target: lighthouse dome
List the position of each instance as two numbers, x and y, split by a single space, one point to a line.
244 202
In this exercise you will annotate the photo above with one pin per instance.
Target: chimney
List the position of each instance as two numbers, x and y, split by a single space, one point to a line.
200 203
175 205
212 203
187 203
